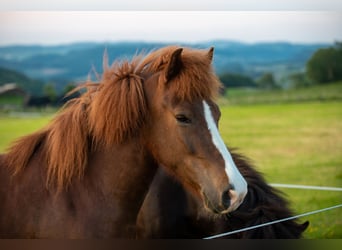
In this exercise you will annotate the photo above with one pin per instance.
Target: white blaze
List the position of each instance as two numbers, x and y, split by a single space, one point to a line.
235 178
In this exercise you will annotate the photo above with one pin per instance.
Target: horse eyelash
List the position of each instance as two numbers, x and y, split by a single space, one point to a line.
183 119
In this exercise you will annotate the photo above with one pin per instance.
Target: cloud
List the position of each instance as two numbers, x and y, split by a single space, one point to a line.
53 27
171 5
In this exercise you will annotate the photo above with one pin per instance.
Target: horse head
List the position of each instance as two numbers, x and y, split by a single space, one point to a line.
182 128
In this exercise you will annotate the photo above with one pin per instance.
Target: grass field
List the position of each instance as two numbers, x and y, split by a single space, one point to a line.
294 143
16 125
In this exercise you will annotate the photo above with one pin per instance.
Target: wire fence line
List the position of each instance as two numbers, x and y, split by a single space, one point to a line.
272 222
306 187
309 187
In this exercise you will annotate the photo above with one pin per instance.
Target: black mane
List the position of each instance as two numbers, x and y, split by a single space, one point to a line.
170 212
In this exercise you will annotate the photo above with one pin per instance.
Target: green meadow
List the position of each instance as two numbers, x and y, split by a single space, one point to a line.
294 144
291 137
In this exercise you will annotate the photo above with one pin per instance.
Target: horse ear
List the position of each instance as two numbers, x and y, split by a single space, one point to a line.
174 65
210 53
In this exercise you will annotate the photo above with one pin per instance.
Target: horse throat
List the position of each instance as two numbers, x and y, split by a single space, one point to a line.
124 175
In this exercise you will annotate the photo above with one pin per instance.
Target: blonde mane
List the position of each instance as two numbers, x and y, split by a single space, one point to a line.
109 113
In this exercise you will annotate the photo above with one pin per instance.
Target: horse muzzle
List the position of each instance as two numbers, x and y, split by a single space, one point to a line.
228 201
231 200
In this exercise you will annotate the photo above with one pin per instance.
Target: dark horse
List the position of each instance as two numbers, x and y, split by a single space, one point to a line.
86 174
161 217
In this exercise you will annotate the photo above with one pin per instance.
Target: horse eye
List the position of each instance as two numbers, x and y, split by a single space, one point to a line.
183 119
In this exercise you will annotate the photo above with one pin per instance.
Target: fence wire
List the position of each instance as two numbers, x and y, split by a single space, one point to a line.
284 219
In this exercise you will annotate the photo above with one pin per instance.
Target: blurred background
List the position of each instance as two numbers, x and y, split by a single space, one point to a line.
280 65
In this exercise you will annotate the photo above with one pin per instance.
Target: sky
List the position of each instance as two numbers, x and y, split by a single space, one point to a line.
61 23
206 5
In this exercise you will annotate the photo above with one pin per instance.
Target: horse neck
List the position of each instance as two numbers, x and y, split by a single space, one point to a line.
123 174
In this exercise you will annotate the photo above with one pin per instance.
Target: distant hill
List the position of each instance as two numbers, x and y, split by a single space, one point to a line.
29 85
75 61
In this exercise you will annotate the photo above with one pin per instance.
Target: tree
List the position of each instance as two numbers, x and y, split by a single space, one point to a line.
236 80
298 80
50 91
267 81
68 88
325 65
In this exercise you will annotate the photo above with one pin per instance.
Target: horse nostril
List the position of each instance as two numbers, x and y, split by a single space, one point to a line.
226 196
226 199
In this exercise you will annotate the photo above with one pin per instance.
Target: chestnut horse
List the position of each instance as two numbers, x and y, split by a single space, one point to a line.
86 174
160 217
